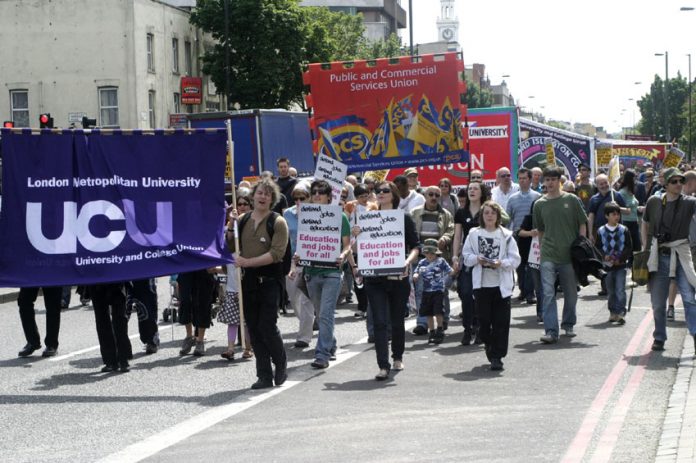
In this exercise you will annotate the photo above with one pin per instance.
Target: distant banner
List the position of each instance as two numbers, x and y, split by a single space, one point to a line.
493 138
638 154
400 114
84 209
570 149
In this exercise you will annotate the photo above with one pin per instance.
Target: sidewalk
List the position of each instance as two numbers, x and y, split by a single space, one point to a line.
678 439
8 294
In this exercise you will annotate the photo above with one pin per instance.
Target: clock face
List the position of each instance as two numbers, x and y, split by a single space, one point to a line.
447 34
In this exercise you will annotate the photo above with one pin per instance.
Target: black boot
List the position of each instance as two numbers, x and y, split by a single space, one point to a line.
466 339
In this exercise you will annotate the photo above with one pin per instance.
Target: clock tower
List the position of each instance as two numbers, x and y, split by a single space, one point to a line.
447 22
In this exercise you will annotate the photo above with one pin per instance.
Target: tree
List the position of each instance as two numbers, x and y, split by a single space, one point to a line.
477 97
266 43
270 41
389 48
652 109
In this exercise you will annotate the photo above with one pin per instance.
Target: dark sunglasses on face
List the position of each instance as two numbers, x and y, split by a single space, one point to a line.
242 203
504 175
344 196
674 181
320 192
383 190
434 195
299 198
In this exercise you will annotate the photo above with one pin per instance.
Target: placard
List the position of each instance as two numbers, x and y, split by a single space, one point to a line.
319 241
381 243
604 154
534 259
334 172
674 158
550 153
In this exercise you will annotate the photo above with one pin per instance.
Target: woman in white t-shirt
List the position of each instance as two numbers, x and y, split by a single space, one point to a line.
492 252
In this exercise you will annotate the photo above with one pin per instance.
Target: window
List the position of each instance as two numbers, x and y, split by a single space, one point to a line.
151 107
150 53
177 103
175 56
187 58
108 107
19 107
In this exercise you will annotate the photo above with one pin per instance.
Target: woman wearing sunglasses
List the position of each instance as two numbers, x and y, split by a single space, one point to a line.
299 301
388 296
324 284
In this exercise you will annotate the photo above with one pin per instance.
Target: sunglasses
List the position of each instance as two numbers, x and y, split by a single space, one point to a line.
344 197
243 203
320 192
675 181
504 175
434 195
299 198
383 190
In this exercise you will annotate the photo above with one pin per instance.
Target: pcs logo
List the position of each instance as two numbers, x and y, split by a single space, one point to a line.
349 141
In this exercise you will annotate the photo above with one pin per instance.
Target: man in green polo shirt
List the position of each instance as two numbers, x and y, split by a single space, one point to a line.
560 219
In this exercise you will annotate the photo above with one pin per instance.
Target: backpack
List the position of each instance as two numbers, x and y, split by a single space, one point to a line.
285 264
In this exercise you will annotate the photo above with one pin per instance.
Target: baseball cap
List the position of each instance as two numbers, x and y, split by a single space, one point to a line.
411 171
672 172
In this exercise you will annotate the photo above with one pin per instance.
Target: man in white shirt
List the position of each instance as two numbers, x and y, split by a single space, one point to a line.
410 199
506 187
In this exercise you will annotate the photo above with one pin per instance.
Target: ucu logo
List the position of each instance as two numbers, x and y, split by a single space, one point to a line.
76 227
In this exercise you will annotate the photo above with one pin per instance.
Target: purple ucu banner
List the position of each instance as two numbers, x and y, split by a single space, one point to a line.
82 208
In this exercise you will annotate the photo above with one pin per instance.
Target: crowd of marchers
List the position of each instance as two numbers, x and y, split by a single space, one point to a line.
542 233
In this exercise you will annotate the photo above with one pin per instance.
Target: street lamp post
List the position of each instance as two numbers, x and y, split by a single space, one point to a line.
531 106
668 137
410 23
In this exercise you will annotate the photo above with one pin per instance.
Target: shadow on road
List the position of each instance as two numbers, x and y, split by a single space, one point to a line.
476 373
360 385
563 343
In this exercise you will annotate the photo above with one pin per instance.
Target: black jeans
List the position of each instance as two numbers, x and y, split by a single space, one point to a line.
143 295
387 301
261 313
109 302
465 290
52 296
494 320
196 290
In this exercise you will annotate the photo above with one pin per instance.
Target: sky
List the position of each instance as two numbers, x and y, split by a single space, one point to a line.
579 60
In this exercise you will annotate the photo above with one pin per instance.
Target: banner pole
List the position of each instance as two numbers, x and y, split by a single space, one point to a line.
238 275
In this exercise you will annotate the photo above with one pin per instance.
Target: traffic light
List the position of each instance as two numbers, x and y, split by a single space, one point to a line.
8 124
88 123
45 121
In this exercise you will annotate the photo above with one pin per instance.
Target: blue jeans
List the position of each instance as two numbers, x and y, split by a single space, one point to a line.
659 288
323 291
387 300
566 274
616 288
423 321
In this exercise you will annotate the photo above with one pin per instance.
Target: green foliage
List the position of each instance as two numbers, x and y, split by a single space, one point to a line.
477 97
267 45
652 109
332 36
389 48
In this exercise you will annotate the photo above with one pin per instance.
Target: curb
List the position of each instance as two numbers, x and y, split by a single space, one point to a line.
678 438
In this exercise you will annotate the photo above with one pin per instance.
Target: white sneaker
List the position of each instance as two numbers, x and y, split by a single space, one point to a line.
548 339
398 365
570 333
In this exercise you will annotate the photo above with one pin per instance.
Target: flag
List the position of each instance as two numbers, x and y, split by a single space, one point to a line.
329 144
425 129
614 171
383 141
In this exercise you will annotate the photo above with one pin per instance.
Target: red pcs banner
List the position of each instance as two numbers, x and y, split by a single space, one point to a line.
388 112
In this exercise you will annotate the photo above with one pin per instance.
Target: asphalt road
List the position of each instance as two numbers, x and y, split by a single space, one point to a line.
601 396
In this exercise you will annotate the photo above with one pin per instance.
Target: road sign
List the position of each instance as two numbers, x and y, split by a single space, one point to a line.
75 118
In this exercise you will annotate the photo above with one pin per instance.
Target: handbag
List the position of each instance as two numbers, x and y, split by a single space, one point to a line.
639 271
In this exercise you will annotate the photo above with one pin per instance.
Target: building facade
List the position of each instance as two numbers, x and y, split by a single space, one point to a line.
447 22
118 61
381 17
